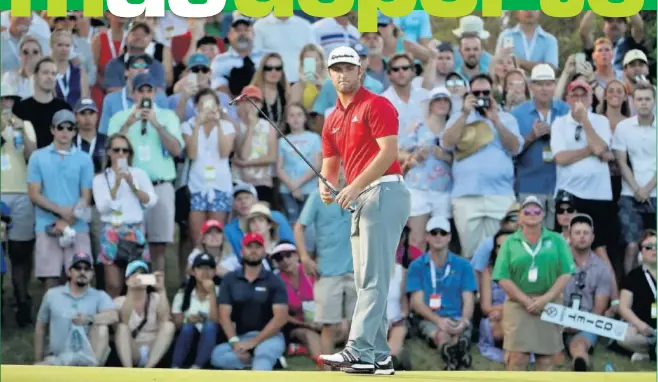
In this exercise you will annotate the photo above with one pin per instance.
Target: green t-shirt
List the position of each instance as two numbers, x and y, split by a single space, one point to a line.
553 260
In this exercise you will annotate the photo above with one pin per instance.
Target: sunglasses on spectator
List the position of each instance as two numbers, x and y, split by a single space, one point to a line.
123 150
268 68
649 247
481 93
532 211
579 130
280 256
32 52
512 218
82 268
200 69
140 65
67 127
568 210
404 68
439 231
455 83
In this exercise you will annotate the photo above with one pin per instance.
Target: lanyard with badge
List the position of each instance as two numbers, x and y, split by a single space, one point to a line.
529 48
652 285
435 298
547 154
92 145
64 82
110 43
533 272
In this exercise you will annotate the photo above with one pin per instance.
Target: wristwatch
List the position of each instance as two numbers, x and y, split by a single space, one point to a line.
233 340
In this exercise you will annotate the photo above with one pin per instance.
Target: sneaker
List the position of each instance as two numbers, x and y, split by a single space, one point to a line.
449 356
463 353
345 360
385 367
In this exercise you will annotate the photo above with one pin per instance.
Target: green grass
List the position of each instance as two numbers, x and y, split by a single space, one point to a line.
17 344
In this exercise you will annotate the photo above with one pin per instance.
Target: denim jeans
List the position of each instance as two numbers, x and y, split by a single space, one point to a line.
293 208
207 340
264 356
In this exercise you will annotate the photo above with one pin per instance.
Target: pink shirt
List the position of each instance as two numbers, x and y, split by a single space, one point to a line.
298 295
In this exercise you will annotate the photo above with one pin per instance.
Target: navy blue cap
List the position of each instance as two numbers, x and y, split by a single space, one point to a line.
198 59
143 79
85 104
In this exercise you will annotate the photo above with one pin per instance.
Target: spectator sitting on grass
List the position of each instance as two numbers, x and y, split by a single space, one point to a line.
442 287
145 330
75 303
194 311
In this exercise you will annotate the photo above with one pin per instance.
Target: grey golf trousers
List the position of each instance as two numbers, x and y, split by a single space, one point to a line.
381 213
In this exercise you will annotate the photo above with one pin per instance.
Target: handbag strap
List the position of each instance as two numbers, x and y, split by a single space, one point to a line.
107 180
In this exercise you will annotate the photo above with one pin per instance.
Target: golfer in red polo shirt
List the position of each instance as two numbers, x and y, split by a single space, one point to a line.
362 132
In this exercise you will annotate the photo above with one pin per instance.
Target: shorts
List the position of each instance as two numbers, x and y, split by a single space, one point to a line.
221 202
109 241
50 258
605 219
22 216
335 298
159 219
590 337
434 203
428 329
633 216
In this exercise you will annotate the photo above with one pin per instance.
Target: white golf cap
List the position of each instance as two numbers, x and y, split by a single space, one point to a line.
532 200
343 55
633 55
437 222
542 72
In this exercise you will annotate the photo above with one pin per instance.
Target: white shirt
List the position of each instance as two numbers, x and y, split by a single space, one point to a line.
394 304
588 178
330 35
126 207
639 143
23 85
196 305
209 171
286 37
408 112
38 28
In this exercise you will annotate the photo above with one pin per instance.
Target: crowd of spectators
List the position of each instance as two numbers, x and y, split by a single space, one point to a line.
530 183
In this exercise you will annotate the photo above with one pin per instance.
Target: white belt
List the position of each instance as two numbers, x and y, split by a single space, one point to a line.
386 179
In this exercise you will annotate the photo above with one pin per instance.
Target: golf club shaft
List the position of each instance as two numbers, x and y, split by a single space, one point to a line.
324 180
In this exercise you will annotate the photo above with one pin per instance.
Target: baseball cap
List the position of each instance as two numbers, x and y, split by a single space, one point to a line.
252 237
198 59
252 91
136 265
439 92
240 18
343 55
143 79
579 84
542 72
581 218
361 49
564 197
204 260
634 55
283 247
245 187
532 200
85 104
438 222
512 213
63 116
382 19
81 257
139 24
138 57
210 224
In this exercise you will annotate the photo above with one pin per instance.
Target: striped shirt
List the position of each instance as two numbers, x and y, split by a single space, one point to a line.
225 63
331 35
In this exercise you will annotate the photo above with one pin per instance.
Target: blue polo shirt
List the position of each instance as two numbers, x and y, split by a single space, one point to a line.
252 301
541 48
234 233
332 226
62 177
415 25
115 102
453 278
533 174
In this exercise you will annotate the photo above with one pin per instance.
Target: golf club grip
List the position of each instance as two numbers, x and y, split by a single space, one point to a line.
324 180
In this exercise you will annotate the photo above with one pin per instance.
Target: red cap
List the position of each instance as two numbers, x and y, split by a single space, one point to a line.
252 237
212 223
252 91
579 84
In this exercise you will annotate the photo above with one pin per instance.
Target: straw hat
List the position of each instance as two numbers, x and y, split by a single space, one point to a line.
258 209
476 135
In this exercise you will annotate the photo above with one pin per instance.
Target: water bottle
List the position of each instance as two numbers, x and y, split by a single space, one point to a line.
608 368
18 140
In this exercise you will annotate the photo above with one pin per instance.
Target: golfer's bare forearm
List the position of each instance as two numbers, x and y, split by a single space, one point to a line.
330 167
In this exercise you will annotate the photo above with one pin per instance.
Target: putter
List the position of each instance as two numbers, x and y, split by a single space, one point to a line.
324 180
